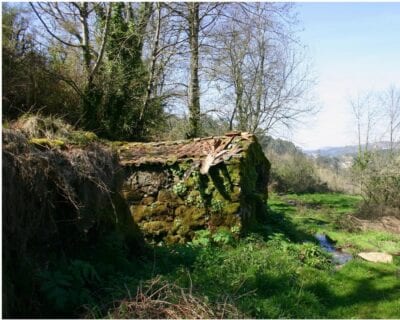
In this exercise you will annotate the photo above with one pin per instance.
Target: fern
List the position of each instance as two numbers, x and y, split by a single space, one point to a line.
69 287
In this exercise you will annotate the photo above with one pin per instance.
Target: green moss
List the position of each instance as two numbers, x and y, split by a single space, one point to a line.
156 227
158 208
49 143
231 208
193 214
193 181
218 220
194 198
176 225
217 205
180 210
174 239
140 212
168 197
82 137
147 201
131 194
235 194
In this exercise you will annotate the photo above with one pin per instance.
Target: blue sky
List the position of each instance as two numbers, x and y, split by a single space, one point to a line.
354 47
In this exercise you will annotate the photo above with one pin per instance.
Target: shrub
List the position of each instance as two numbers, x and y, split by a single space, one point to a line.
379 177
294 173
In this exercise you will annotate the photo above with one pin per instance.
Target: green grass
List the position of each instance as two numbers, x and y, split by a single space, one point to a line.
276 272
326 213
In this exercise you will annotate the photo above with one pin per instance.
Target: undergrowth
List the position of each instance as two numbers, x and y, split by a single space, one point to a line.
278 271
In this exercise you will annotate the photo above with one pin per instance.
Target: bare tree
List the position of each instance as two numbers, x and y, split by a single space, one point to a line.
364 108
259 65
73 25
196 20
390 100
377 171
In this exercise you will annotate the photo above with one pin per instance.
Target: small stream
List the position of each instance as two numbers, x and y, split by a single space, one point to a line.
339 257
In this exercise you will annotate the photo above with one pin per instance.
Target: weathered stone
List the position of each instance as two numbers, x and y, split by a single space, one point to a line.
167 196
376 257
147 201
140 212
159 208
177 199
156 227
131 194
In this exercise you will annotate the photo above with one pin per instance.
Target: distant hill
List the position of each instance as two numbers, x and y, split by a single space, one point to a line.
346 150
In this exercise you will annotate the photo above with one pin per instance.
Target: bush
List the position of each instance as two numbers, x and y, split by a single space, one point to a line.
379 177
294 173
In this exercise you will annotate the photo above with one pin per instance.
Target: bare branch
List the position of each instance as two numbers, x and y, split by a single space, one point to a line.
103 41
50 32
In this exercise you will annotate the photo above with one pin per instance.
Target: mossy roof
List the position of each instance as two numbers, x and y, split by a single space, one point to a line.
169 152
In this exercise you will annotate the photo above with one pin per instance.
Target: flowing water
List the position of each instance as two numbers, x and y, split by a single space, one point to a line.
338 256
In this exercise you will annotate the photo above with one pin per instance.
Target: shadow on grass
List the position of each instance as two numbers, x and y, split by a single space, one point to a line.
359 289
277 222
261 280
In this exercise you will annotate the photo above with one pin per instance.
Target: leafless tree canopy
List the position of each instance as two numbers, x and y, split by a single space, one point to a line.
240 63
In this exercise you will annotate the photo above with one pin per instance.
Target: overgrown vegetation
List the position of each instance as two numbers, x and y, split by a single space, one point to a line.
60 196
129 71
125 71
376 165
292 171
279 271
378 175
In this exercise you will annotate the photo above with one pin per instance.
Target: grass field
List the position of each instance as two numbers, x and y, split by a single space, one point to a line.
278 271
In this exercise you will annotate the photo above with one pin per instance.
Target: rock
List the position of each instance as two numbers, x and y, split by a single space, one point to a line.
147 201
376 257
167 196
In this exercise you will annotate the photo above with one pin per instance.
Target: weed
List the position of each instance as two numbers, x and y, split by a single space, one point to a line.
68 288
179 189
216 205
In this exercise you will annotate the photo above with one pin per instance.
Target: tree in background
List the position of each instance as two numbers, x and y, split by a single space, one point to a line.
376 167
291 170
259 68
123 68
72 27
124 112
390 99
196 20
28 75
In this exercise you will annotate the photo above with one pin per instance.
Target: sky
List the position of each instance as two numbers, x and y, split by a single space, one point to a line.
354 47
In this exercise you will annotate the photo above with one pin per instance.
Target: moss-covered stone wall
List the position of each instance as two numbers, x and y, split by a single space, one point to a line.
171 200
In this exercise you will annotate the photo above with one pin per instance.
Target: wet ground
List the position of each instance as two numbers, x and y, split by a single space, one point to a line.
339 257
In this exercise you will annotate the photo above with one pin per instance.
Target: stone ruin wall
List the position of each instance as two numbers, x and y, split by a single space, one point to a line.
170 200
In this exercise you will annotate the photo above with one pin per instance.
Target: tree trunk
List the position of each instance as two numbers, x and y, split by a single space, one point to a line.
150 83
194 87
